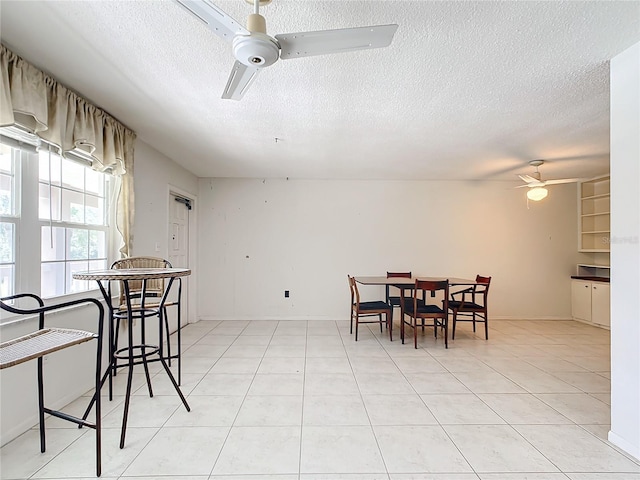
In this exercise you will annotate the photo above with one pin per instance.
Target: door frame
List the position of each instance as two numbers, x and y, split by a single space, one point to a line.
193 231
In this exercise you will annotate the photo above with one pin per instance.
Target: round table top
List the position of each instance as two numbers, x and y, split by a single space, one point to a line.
132 274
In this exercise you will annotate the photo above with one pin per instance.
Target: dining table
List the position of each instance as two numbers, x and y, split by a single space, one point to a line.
134 353
408 283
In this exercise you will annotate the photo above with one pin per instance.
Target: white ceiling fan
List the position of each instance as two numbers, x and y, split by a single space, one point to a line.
254 49
537 190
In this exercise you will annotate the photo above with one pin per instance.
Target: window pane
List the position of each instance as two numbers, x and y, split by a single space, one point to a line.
6 165
52 279
7 273
73 285
77 244
72 174
94 210
72 206
94 182
97 265
43 212
6 194
7 242
97 244
44 167
52 246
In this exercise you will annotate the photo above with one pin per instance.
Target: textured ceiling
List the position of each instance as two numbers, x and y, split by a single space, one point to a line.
467 90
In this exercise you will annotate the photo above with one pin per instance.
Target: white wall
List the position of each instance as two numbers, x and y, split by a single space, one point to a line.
69 373
155 175
625 251
261 237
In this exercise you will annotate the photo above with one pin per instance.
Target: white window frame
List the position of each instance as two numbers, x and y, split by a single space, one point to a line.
28 226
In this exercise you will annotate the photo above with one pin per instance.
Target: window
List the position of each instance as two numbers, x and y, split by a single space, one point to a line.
55 221
8 222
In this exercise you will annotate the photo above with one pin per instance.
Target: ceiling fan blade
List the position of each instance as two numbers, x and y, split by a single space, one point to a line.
528 179
307 44
215 19
240 80
561 180
521 186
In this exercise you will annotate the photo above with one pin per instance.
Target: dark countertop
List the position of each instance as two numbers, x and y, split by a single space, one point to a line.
591 278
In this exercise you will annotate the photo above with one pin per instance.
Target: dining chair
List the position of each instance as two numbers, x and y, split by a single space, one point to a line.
152 291
394 300
471 304
418 309
368 309
47 340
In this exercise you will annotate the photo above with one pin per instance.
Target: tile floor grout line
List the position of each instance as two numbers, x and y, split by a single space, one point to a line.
235 418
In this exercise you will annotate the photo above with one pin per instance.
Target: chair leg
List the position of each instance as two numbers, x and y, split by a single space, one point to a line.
380 321
389 315
486 326
179 337
415 334
166 326
453 331
357 318
144 354
351 323
445 324
402 328
43 443
474 322
115 346
98 404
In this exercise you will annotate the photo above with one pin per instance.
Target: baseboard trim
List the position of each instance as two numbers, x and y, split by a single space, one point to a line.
618 441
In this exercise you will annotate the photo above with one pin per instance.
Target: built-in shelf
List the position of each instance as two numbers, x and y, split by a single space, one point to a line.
594 217
586 270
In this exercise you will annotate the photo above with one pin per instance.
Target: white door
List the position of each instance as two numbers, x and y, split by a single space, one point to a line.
179 208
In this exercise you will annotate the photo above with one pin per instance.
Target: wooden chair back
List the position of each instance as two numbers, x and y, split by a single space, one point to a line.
482 287
389 287
432 286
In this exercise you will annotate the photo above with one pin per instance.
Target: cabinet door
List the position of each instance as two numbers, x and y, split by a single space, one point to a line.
600 303
581 300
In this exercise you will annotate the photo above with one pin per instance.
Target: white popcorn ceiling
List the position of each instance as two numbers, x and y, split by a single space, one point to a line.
467 90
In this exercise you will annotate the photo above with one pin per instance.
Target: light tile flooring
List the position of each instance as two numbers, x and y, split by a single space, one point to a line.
300 400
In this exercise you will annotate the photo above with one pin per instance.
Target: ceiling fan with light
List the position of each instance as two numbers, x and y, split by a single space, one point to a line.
537 190
254 50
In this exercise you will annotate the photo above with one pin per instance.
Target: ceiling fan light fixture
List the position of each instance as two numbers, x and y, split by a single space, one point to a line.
538 193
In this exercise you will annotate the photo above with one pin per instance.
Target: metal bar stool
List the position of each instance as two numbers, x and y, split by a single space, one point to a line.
48 340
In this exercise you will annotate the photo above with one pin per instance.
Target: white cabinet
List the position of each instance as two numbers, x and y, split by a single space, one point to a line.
601 304
581 300
590 302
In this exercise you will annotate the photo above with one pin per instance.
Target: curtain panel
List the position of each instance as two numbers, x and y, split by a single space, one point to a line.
37 103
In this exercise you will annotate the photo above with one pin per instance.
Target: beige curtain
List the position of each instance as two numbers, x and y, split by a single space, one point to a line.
35 102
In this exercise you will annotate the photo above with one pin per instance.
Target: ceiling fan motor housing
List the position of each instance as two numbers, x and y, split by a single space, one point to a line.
256 50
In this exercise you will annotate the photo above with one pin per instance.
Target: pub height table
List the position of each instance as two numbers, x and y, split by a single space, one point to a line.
134 354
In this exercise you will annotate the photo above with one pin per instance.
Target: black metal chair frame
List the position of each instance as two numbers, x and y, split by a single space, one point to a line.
125 357
39 349
142 294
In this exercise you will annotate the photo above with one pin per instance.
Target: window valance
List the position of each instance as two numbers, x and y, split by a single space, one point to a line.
34 101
